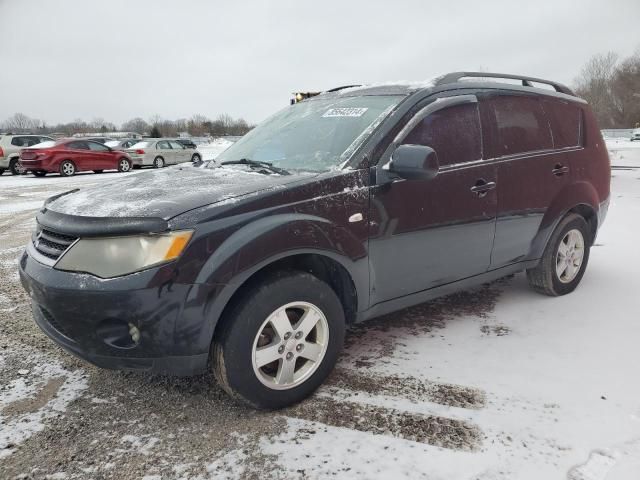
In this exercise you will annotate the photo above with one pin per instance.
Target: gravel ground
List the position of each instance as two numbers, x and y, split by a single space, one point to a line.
402 401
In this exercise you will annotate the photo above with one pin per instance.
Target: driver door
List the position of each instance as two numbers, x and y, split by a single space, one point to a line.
427 233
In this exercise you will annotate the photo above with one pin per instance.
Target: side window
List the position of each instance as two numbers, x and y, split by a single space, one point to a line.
454 133
18 141
163 145
520 126
97 147
78 146
566 122
176 146
46 139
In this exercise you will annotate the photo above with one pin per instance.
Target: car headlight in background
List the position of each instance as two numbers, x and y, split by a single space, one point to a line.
115 256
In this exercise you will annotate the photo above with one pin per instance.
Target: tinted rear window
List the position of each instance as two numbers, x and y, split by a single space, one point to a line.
566 122
520 126
454 133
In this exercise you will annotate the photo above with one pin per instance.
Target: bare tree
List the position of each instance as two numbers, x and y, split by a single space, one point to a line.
594 85
20 123
137 125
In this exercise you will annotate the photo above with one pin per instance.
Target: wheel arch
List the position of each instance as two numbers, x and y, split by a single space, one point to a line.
580 198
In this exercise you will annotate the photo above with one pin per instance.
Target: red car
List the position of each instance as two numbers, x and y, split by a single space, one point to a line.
68 156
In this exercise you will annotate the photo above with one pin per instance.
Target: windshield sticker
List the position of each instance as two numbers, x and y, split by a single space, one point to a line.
345 112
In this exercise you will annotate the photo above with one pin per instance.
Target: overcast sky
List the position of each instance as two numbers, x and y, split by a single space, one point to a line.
118 59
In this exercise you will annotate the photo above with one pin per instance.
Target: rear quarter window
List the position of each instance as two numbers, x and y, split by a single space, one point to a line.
566 123
518 125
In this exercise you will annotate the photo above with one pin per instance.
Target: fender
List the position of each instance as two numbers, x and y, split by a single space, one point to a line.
254 247
574 194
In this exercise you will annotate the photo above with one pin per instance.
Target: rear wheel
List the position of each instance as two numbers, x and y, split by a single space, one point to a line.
564 260
1 171
39 173
14 166
124 165
196 158
279 342
158 162
67 168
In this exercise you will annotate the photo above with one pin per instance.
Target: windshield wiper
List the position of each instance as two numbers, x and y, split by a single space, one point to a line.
256 163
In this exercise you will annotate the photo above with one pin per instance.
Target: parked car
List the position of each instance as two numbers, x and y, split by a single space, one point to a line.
71 155
158 153
102 140
186 143
122 144
338 209
635 135
10 146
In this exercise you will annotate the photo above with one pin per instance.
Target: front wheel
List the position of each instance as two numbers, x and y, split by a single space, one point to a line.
279 341
158 162
196 158
564 260
67 168
124 165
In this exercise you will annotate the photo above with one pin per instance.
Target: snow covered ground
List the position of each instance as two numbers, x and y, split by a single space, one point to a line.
623 152
493 383
210 151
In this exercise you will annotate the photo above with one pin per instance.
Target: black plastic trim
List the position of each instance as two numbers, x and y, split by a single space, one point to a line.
79 226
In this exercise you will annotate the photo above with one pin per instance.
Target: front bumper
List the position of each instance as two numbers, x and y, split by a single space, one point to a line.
84 315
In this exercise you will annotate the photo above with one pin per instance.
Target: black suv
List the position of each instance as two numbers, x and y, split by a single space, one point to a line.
340 208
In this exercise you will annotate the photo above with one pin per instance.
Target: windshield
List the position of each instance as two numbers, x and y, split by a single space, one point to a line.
316 135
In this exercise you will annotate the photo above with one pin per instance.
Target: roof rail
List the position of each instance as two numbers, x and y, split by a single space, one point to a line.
526 81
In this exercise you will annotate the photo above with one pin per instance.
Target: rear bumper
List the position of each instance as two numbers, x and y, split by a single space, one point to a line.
41 165
91 318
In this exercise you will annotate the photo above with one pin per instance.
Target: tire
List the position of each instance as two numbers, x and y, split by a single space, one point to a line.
67 169
247 323
158 162
1 171
196 158
556 274
14 166
39 173
98 171
124 165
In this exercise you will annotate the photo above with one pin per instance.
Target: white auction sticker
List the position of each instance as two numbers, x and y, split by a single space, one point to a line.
345 112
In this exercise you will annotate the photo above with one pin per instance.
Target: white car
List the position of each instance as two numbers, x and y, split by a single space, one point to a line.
635 135
10 146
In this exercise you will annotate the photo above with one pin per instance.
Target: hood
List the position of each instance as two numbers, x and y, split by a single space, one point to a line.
167 192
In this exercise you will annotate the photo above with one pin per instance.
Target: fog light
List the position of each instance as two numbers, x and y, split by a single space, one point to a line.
134 332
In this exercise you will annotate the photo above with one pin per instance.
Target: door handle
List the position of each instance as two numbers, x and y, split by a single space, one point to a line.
482 187
559 170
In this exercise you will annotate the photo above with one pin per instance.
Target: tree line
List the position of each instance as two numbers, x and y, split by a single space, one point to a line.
611 85
156 126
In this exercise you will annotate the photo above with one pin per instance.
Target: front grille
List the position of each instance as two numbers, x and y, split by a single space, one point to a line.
54 323
52 244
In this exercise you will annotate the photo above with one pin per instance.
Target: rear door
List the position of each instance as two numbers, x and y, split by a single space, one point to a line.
165 151
82 156
427 233
531 173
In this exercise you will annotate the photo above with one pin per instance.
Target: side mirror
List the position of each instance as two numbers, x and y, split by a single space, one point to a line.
414 162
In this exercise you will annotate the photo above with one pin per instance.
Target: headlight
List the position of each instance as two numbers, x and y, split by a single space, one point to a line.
112 257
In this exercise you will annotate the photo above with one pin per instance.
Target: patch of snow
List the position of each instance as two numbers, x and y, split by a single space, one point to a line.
413 84
144 444
13 207
16 429
47 144
229 466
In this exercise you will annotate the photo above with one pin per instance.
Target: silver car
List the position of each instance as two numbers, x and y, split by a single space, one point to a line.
158 153
122 144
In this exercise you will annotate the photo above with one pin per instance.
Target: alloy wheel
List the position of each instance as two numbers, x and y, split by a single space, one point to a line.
570 256
290 345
